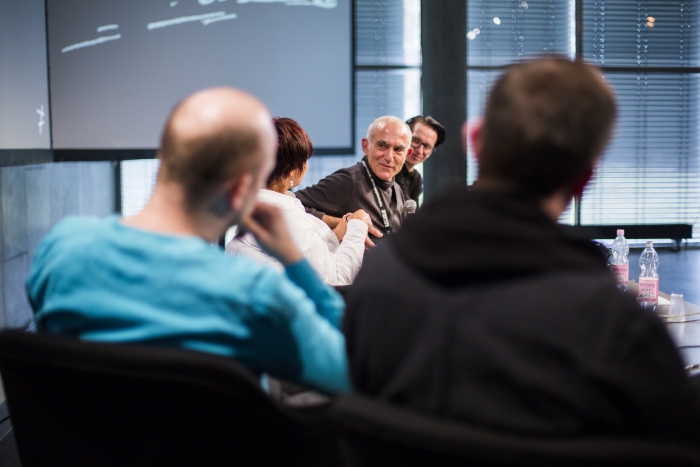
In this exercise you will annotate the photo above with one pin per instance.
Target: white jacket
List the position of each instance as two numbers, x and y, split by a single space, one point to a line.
336 263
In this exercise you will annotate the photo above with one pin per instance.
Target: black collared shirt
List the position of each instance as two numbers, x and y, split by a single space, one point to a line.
348 190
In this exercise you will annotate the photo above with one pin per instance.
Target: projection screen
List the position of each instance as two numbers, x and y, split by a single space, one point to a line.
117 67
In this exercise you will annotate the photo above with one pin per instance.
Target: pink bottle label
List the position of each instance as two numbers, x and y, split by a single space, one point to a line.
649 289
621 273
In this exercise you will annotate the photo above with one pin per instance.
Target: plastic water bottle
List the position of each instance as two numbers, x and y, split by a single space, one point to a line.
620 264
649 278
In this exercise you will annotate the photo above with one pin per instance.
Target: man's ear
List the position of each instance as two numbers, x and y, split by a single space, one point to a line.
365 145
239 192
408 153
471 133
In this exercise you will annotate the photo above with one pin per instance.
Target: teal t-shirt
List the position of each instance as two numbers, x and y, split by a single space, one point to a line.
104 281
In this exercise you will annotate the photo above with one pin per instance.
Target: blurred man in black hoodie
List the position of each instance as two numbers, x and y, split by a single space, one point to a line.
484 310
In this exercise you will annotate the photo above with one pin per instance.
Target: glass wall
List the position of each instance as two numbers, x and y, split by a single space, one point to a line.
501 33
387 73
648 52
387 82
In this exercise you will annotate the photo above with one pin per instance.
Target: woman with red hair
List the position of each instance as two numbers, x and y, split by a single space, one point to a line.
335 254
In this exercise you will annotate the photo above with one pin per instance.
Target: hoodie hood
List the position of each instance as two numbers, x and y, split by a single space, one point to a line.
467 236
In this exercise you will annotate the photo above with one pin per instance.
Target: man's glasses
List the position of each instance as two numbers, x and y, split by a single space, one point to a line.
415 142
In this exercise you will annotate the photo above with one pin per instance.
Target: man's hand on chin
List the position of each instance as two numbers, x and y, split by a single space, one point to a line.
267 225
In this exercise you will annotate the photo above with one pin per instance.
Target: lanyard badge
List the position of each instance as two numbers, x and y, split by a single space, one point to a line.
378 199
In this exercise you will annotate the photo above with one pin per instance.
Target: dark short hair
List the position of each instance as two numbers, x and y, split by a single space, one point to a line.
203 164
546 122
432 123
293 151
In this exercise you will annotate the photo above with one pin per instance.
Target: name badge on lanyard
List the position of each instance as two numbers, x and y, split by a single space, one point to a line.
378 199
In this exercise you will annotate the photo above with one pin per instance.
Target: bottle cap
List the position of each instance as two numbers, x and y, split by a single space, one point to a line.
620 232
650 243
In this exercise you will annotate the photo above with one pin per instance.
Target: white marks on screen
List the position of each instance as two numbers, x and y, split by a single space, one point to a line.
205 19
207 22
90 43
107 27
41 123
318 3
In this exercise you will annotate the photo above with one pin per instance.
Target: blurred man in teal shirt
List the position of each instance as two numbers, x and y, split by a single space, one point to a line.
154 278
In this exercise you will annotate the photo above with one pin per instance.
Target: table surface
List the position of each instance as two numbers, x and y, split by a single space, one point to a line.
686 334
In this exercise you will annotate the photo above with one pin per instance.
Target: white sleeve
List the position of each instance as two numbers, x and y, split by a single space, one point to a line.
336 264
304 231
349 255
247 246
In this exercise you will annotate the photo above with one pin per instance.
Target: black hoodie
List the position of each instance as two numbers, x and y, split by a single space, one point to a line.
484 310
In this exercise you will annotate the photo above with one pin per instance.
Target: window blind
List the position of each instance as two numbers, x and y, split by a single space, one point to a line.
648 51
138 177
634 33
504 32
387 32
387 73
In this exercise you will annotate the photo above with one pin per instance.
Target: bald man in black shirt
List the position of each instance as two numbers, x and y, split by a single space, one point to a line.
370 184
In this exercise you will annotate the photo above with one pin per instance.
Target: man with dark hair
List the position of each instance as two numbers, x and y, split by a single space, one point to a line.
156 279
370 184
428 134
484 310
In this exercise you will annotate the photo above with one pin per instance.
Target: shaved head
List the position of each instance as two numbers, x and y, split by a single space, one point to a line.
212 137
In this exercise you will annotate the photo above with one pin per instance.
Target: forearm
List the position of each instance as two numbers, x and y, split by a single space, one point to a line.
350 253
294 341
329 304
322 353
316 329
331 221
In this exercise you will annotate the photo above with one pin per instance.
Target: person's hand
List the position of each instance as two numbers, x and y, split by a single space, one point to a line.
369 244
267 225
361 215
371 229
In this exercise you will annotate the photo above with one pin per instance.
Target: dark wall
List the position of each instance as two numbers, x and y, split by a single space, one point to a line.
444 44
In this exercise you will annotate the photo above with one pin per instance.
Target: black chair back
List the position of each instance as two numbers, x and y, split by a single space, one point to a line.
376 434
83 403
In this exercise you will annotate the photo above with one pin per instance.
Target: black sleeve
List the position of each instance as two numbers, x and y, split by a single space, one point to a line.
314 212
329 196
416 187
